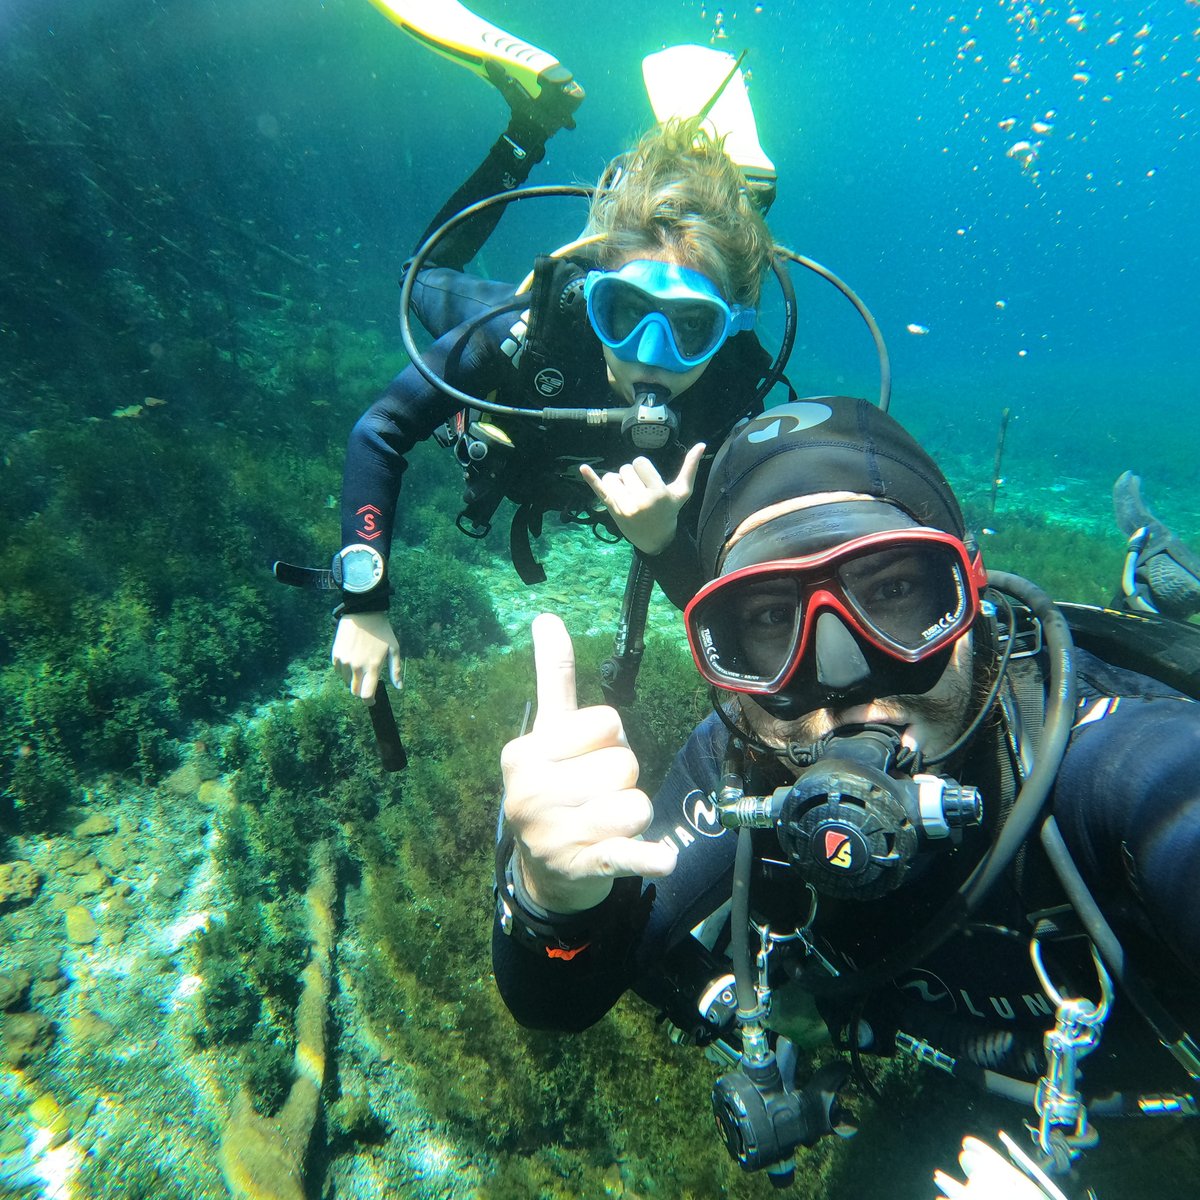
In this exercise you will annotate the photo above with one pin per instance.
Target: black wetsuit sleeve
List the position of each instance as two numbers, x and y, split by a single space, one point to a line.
565 996
408 412
677 569
506 166
1127 801
572 995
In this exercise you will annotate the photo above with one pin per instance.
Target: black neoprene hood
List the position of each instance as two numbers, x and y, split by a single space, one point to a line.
828 444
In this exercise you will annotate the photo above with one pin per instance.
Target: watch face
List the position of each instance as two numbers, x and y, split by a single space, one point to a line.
362 569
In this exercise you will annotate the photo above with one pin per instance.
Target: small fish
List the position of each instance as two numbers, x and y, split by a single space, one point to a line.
1081 77
1042 127
133 410
1007 123
917 330
1001 303
153 402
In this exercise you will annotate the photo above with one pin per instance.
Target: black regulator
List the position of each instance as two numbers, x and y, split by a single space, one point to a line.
851 824
855 819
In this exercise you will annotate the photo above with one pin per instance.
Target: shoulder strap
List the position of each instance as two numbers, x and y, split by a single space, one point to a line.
556 310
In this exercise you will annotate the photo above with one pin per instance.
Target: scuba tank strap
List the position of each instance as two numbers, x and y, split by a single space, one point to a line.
526 525
556 308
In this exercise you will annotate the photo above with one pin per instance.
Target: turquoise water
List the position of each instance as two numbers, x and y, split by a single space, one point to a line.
203 210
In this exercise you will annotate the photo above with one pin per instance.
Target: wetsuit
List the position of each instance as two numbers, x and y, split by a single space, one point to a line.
1127 800
473 321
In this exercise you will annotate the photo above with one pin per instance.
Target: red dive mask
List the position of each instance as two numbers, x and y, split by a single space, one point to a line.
908 593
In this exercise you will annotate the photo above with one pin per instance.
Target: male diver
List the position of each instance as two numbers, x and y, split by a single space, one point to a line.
916 804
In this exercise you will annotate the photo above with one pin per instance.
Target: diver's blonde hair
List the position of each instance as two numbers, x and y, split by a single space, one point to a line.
678 191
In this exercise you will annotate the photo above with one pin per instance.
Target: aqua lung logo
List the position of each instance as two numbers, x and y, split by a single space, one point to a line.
514 344
701 813
930 989
701 819
549 381
788 418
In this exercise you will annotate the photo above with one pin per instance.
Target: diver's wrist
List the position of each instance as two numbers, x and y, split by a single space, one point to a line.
553 898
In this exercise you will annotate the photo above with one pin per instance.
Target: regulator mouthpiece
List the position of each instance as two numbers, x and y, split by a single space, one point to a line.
650 423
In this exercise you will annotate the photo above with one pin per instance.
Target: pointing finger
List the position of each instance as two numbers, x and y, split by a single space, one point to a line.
554 661
592 480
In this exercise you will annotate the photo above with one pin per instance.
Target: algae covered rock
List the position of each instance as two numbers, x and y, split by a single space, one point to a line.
97 825
14 988
24 1037
90 1029
82 929
19 882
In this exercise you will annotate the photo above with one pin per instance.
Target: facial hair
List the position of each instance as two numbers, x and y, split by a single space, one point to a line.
942 710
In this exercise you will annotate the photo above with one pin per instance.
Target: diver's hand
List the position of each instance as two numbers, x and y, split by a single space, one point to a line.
571 798
645 507
363 644
990 1176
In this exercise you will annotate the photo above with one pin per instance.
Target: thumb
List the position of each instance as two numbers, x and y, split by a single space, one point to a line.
554 661
683 483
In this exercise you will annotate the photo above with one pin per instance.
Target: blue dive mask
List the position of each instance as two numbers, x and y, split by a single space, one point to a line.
661 315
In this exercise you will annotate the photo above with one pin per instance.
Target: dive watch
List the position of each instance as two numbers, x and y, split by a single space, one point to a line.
357 568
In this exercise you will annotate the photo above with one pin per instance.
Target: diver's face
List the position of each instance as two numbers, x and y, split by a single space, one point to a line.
930 722
626 378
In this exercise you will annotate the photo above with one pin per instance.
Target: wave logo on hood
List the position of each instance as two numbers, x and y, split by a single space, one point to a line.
788 418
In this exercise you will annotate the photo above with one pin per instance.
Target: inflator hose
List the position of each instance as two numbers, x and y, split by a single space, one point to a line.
739 931
774 374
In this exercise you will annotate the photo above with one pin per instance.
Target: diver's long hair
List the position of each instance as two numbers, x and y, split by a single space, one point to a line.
678 191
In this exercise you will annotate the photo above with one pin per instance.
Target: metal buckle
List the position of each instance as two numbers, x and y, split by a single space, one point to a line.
1063 1132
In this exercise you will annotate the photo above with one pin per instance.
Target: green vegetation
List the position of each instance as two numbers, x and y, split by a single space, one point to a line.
166 436
1066 562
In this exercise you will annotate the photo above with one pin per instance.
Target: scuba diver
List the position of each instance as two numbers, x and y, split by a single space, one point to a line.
922 808
640 334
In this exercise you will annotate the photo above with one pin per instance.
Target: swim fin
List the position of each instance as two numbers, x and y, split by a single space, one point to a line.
690 81
1161 574
537 87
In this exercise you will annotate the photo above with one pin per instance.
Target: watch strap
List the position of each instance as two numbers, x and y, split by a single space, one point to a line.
561 936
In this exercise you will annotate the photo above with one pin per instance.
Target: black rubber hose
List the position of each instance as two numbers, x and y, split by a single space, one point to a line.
1166 1028
739 929
885 362
774 374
